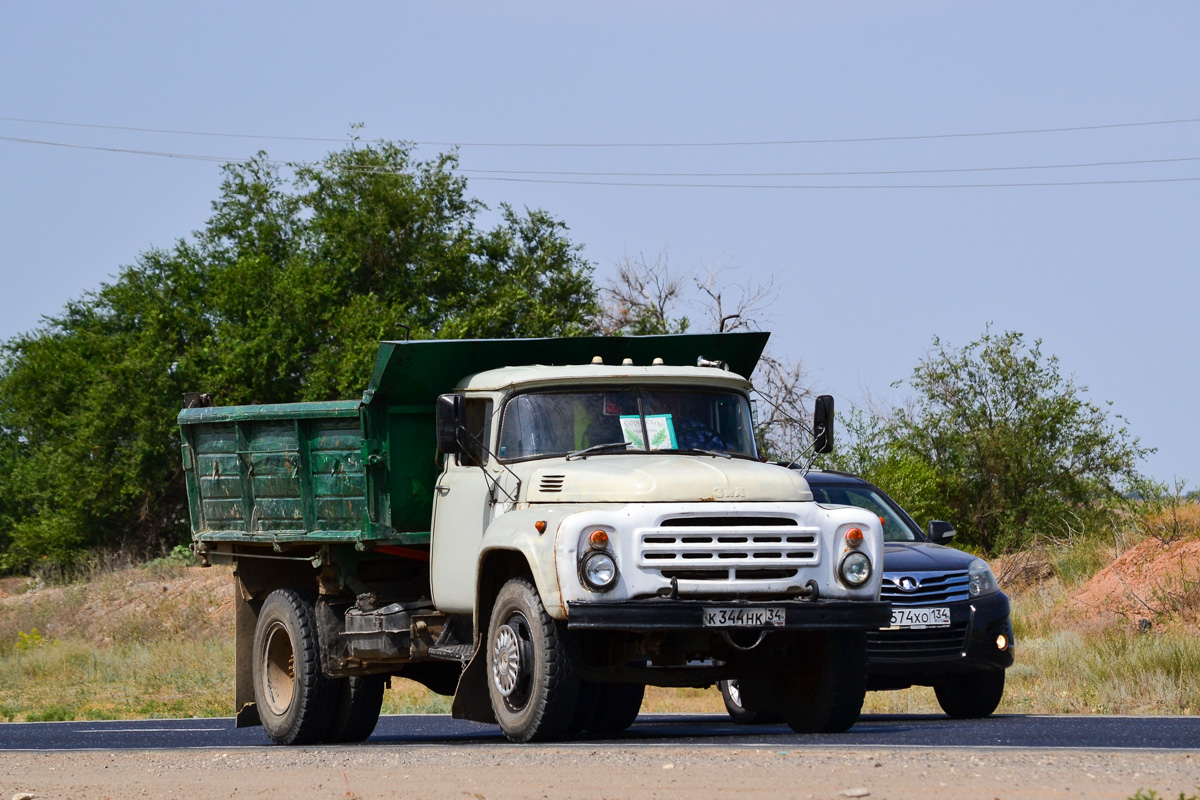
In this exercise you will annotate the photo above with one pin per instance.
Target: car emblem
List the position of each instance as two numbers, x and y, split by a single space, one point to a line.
908 584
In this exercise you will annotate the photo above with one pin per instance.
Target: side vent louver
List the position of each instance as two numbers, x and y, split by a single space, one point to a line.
551 483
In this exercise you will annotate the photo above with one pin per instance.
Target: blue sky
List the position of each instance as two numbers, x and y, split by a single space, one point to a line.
1105 275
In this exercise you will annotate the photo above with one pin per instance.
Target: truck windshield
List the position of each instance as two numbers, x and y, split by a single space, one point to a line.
555 423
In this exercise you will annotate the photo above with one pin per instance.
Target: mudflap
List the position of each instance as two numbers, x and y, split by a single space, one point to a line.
245 617
471 699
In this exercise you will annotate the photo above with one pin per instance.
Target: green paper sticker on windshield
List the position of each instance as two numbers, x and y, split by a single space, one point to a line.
659 428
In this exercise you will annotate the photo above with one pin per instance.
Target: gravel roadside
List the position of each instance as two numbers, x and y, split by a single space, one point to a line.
497 773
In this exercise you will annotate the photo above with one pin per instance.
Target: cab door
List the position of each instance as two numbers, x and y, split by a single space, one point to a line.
462 510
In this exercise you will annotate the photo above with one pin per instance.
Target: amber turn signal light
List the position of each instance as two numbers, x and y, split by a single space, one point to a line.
854 537
598 539
540 525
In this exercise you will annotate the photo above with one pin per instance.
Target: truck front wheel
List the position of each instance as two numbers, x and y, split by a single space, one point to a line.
823 687
618 707
295 701
533 675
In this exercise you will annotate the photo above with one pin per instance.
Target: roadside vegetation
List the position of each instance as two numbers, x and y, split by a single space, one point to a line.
1105 623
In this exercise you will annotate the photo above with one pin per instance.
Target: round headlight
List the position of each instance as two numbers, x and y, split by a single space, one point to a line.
855 569
599 571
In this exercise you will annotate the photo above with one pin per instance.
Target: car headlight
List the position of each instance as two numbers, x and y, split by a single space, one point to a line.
980 580
599 571
855 569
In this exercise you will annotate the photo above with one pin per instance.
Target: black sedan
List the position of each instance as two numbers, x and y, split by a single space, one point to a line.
951 625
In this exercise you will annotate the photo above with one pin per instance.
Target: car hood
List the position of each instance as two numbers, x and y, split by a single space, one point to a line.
923 557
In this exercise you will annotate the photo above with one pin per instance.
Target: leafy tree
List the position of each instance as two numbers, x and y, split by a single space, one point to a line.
998 441
283 296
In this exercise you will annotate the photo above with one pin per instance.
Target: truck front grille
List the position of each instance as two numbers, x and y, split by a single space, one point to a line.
924 588
727 547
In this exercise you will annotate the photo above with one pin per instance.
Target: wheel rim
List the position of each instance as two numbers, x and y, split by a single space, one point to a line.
512 652
279 669
735 694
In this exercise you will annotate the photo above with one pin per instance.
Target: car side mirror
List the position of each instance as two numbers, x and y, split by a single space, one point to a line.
451 416
941 532
823 424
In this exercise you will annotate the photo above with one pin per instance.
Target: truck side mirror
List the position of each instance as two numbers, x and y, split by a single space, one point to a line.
451 417
940 532
823 424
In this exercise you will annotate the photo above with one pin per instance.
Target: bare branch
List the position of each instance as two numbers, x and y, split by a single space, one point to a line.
642 298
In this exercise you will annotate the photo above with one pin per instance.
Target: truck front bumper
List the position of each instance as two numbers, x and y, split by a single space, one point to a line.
663 614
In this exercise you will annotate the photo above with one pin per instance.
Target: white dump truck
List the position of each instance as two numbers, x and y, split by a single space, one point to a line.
540 528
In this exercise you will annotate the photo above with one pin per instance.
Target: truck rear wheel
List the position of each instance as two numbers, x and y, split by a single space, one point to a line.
750 702
295 701
617 708
971 696
823 688
359 702
533 677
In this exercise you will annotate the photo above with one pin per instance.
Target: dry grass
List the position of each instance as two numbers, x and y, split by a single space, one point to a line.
156 641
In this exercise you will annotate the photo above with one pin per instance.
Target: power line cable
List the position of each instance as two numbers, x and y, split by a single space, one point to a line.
371 168
848 186
186 156
564 173
769 142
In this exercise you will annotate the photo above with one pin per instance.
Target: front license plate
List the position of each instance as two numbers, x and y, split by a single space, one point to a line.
744 617
920 617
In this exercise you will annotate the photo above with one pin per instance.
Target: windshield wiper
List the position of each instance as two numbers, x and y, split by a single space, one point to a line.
696 451
603 447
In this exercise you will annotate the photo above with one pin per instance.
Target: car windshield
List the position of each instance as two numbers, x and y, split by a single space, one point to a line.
554 423
897 526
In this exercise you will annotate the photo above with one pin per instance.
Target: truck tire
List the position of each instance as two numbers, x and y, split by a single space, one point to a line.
750 702
585 707
971 696
823 688
360 699
618 707
295 701
533 673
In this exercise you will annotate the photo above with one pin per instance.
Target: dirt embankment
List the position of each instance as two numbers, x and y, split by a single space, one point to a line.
1152 579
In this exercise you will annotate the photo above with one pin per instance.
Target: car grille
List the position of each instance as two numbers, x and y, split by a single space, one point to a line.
727 547
928 588
904 644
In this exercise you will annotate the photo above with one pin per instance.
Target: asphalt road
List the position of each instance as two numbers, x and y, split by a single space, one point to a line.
666 730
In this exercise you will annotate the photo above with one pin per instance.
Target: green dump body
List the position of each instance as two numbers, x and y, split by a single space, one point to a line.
364 472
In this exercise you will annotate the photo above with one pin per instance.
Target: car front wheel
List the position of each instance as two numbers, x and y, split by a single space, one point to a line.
971 696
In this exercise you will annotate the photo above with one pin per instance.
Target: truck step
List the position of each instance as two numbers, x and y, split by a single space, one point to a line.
452 652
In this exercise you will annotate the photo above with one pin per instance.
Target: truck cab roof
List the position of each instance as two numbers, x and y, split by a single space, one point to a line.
540 375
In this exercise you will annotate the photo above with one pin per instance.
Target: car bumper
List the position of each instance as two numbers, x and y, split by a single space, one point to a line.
902 657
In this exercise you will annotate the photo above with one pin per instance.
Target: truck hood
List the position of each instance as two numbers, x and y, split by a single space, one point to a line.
664 479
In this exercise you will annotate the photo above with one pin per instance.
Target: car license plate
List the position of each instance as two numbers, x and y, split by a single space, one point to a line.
744 617
920 617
